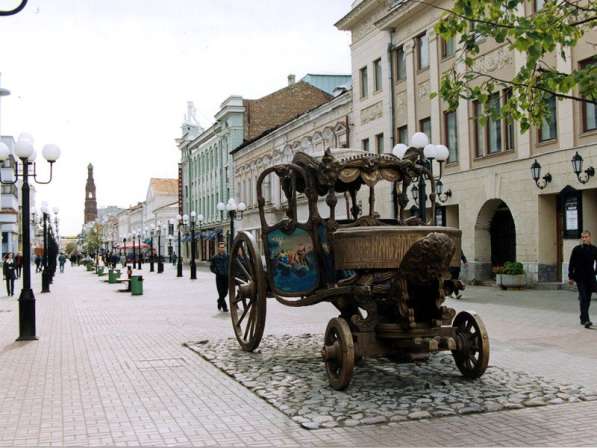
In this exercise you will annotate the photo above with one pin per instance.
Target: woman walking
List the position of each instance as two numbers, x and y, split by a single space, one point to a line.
9 271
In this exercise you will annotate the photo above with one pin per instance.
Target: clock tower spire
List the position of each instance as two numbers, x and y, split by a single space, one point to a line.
90 201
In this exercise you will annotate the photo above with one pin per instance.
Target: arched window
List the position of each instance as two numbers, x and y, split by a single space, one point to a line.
341 135
329 138
318 142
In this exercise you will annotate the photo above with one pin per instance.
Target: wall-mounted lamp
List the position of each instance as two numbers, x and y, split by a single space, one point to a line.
541 182
583 177
441 194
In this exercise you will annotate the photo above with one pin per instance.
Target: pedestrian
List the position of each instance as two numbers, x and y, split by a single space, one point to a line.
19 264
37 263
219 266
61 262
581 269
455 274
174 258
9 272
123 260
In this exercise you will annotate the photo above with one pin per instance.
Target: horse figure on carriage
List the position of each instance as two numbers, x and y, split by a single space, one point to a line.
388 278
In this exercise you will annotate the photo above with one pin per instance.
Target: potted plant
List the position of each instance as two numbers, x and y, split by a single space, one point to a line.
512 275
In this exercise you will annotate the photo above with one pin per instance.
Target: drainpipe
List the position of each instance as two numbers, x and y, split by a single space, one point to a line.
392 115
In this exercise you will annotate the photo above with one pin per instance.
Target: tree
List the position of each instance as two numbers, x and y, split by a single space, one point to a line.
556 27
70 248
93 239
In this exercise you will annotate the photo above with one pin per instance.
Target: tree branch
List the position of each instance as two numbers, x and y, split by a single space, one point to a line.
543 89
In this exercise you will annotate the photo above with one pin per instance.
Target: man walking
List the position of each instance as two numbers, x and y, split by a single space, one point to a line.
61 262
8 269
581 270
19 264
219 266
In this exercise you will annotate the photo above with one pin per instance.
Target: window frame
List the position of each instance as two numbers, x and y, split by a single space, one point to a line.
554 117
419 40
399 130
400 51
379 146
365 144
592 60
446 115
377 70
364 82
444 48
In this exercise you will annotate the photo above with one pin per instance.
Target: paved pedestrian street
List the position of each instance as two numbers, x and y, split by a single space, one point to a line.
112 369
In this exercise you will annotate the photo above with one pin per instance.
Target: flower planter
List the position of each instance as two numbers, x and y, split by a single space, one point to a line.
506 281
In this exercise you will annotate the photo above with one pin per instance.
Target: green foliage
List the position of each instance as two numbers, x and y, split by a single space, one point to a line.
512 268
93 239
558 26
71 248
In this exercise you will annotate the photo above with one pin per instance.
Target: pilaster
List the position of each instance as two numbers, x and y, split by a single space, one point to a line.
436 117
409 57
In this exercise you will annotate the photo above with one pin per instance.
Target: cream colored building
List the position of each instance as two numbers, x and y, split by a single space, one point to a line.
327 126
397 61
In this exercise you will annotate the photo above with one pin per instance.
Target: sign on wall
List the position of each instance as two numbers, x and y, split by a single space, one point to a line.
571 206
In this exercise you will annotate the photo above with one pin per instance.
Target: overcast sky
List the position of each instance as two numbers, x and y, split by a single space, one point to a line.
108 80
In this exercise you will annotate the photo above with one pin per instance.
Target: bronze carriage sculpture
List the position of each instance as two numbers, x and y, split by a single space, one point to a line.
387 277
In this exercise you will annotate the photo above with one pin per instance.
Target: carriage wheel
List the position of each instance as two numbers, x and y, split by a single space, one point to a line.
472 354
338 353
247 286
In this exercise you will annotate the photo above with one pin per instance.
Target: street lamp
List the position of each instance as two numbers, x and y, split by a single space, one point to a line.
160 262
170 238
24 150
45 274
124 251
232 208
441 194
423 154
139 266
577 162
193 248
179 259
151 266
132 237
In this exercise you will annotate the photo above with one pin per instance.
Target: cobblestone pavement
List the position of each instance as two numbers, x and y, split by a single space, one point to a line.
110 369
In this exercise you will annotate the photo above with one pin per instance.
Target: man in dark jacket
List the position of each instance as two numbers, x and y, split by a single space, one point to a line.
219 266
581 270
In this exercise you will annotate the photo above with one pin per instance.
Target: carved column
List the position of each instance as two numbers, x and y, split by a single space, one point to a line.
409 57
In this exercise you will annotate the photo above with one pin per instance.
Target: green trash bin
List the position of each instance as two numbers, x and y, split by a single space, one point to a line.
137 285
100 270
89 267
113 276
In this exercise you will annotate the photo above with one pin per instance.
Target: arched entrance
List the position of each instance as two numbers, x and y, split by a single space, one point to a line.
495 238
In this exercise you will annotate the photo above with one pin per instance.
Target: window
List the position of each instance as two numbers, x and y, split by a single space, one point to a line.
509 124
494 127
549 129
589 110
425 126
365 144
403 135
364 81
451 135
377 73
448 48
479 130
379 143
400 64
423 52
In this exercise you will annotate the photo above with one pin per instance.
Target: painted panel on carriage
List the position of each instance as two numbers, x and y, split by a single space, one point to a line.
293 261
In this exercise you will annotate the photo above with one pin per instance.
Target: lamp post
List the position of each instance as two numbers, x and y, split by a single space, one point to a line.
170 238
200 220
582 176
424 155
232 208
139 266
179 259
151 266
193 248
124 251
45 274
132 236
160 262
26 153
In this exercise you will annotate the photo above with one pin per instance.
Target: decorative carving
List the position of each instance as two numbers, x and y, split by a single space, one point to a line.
493 61
372 112
423 90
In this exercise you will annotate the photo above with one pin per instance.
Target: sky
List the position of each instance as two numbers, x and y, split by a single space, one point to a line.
108 80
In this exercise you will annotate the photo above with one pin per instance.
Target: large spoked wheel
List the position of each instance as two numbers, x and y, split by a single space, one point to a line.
472 354
247 286
338 353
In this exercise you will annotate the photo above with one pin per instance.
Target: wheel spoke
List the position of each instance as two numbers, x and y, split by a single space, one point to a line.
240 264
247 308
250 324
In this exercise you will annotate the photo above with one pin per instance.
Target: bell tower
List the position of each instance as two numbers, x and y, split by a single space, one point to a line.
90 202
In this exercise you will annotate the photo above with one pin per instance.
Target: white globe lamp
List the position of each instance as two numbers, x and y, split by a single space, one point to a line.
419 140
399 150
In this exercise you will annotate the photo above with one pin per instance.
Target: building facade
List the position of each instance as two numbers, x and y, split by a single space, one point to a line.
9 207
205 161
398 60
